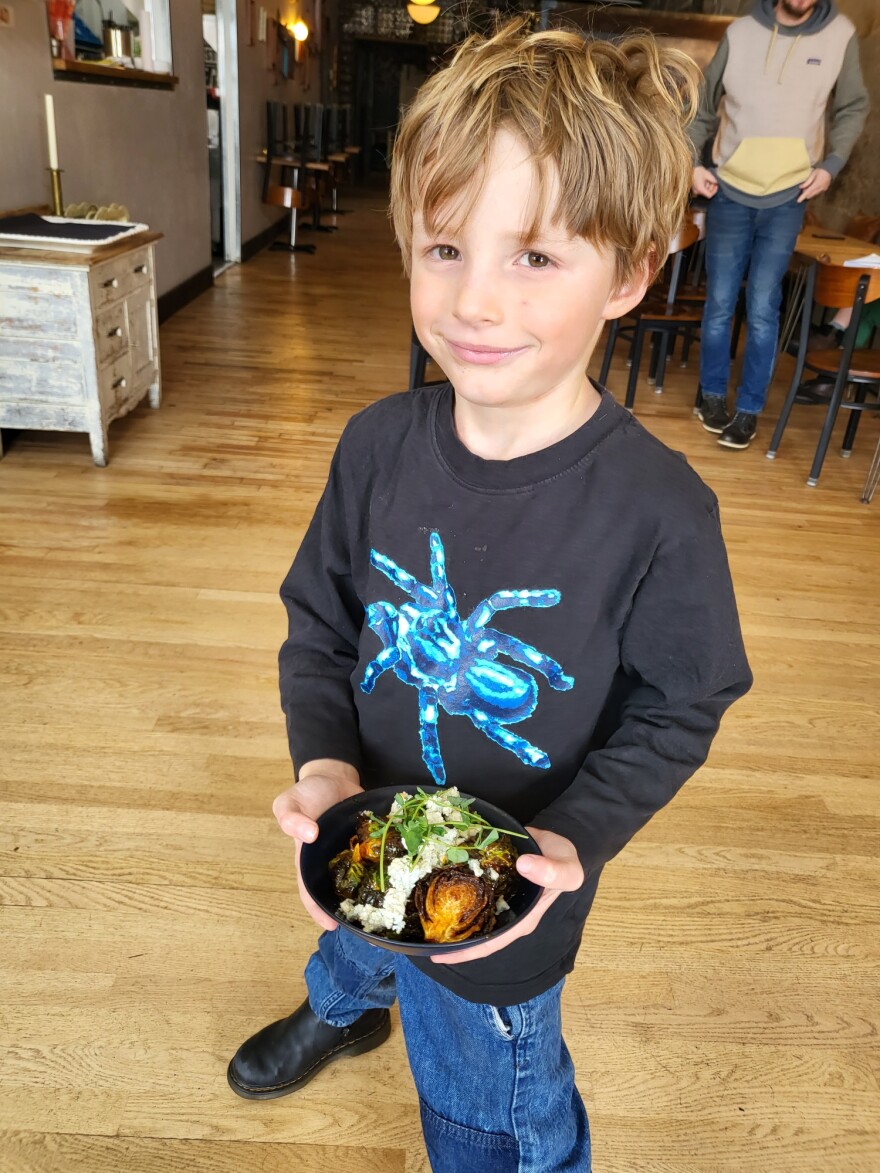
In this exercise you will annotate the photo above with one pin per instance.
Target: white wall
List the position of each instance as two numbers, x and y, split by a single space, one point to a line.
257 85
145 149
142 148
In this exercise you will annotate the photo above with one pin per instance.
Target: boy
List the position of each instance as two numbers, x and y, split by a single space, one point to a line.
535 182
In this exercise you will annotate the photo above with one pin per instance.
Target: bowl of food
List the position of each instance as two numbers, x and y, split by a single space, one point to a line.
420 870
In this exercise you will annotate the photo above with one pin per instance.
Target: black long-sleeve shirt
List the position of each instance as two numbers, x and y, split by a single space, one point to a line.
556 634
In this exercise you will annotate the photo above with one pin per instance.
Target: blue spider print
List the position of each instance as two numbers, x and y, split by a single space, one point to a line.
451 661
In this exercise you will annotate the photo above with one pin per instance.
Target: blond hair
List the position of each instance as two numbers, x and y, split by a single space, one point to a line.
610 117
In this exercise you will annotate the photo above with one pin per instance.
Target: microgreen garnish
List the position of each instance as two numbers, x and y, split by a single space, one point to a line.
411 821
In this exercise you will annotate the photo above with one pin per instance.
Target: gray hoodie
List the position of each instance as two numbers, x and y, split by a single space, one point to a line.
765 97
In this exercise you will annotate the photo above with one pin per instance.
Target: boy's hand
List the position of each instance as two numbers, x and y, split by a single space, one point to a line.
556 870
817 181
321 785
704 182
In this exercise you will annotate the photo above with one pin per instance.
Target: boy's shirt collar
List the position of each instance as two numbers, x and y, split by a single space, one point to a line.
523 471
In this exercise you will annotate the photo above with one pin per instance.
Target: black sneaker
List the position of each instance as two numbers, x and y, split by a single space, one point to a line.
713 413
740 432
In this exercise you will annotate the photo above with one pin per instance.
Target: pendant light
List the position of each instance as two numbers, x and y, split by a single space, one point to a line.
423 11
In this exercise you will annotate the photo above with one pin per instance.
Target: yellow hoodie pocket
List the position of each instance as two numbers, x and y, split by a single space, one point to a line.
762 166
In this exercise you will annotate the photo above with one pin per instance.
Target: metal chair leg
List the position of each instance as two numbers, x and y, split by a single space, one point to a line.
799 365
613 331
873 478
827 428
654 360
661 361
852 425
686 341
418 362
638 344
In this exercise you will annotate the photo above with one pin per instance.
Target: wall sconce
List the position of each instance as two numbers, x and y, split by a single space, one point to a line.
423 11
300 31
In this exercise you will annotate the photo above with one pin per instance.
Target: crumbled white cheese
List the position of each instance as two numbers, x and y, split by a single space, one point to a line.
403 874
501 905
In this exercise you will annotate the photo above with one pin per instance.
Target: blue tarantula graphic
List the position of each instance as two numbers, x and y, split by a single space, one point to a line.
452 661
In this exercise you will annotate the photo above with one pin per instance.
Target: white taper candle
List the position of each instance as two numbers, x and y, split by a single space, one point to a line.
50 131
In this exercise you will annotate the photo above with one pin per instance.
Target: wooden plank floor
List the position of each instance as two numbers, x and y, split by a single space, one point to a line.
724 1012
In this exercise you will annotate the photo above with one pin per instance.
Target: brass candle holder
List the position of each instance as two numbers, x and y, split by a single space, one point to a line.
57 197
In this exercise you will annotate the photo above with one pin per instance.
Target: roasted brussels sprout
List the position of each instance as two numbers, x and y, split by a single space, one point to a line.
369 891
453 904
347 874
368 837
500 857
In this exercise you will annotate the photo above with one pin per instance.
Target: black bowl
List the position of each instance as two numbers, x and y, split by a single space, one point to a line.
335 829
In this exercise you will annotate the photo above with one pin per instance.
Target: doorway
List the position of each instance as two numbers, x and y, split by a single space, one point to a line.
220 45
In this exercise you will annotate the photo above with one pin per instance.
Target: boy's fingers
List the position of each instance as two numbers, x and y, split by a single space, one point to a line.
297 825
559 875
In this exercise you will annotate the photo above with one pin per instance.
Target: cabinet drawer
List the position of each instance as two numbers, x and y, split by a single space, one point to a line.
111 333
114 382
117 278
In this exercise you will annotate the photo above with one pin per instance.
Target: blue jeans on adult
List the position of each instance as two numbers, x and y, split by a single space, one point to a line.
737 238
496 1085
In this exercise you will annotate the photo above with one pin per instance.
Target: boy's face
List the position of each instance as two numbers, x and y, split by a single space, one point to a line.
508 325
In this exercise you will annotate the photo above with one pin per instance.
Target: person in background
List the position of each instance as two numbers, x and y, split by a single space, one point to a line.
776 75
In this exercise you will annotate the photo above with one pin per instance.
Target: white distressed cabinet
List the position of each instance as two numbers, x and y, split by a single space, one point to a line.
79 338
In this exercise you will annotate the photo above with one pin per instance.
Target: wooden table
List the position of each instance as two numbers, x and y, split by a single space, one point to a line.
832 248
79 337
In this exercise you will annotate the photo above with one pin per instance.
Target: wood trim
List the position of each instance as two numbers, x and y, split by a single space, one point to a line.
113 75
262 240
692 25
181 295
77 260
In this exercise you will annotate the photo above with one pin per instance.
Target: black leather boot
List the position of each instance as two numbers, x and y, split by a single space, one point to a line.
283 1057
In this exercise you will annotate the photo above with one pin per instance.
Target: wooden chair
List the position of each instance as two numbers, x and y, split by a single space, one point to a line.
666 314
835 286
284 177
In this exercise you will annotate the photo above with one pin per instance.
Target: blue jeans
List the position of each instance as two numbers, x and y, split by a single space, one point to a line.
496 1085
737 238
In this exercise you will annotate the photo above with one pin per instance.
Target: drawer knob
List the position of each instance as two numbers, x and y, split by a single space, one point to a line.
116 332
119 383
113 283
140 268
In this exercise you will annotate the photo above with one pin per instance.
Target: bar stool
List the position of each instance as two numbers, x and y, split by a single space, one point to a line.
835 286
287 190
309 128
